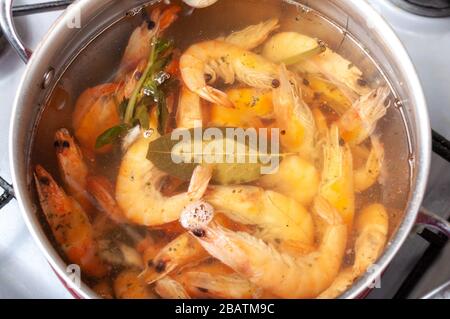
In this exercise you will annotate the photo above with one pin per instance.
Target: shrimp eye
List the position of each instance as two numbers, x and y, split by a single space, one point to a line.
151 24
61 144
160 266
199 232
276 83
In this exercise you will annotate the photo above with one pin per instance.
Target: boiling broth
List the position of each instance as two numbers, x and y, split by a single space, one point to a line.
98 63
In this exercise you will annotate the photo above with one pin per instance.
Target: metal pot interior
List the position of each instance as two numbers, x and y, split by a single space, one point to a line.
84 57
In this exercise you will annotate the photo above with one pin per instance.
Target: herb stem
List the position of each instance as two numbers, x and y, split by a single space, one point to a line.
134 97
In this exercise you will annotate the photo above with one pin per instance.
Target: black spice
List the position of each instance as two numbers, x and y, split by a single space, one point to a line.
276 83
208 77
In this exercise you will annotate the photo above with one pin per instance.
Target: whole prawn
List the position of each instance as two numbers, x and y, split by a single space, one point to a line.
138 188
227 61
69 224
281 274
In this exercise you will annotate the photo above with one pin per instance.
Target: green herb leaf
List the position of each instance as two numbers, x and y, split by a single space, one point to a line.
163 114
164 150
142 116
110 135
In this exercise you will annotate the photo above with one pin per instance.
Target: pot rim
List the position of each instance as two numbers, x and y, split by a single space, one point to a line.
423 153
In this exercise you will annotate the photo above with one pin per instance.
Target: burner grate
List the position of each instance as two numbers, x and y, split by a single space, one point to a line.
428 8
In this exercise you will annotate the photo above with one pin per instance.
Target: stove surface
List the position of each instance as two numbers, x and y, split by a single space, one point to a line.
24 273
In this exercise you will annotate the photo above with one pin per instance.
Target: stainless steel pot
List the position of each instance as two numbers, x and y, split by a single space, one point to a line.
64 41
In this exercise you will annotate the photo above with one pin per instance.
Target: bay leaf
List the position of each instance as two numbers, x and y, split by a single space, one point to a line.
179 157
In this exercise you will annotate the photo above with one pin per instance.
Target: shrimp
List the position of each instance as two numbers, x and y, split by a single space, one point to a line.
189 107
69 224
296 178
95 112
181 251
138 188
169 288
127 285
227 61
337 177
280 220
293 116
359 122
275 272
368 175
139 45
103 192
72 167
252 36
372 226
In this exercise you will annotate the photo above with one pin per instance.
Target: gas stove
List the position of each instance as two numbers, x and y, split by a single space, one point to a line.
422 263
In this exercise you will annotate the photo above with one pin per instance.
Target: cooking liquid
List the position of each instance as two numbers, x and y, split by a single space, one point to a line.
99 61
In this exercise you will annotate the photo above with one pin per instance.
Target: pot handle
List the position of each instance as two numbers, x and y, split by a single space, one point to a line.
7 25
433 221
8 193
